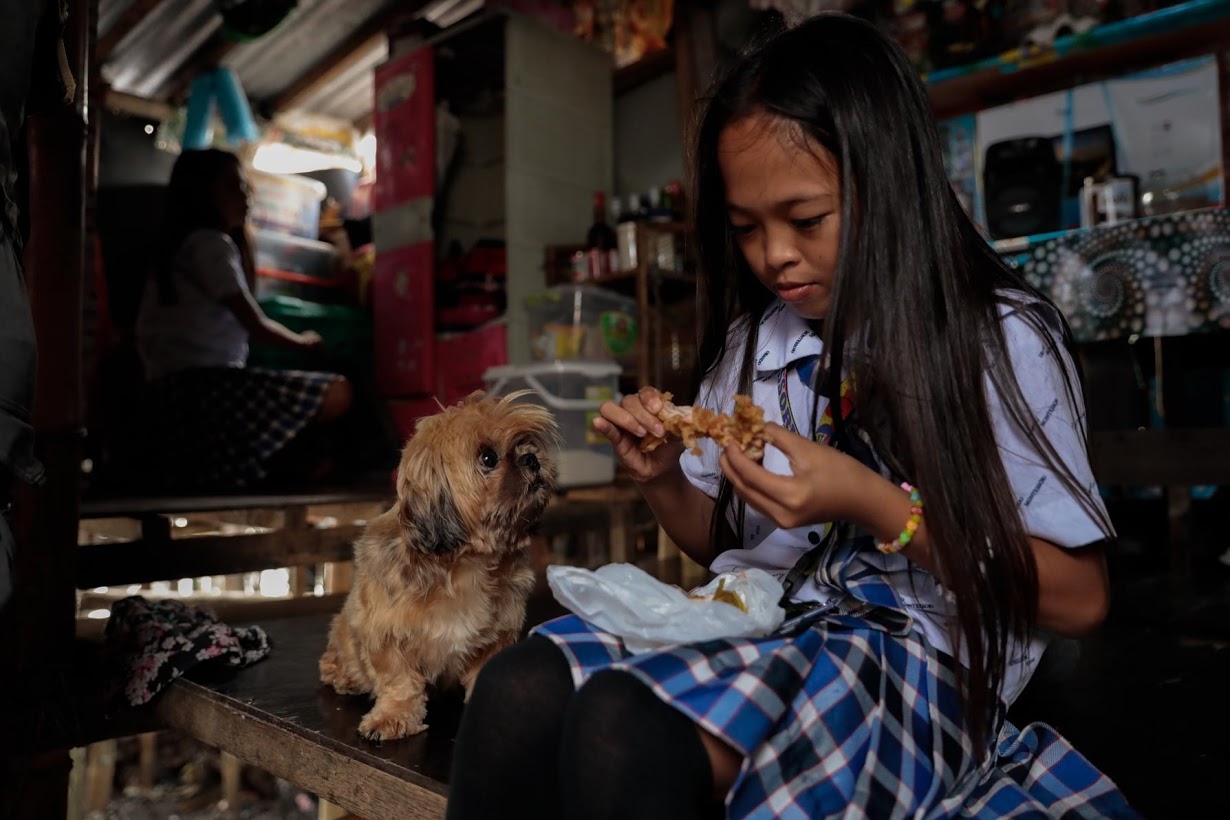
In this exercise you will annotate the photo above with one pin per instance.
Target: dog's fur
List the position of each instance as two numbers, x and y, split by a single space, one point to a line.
441 578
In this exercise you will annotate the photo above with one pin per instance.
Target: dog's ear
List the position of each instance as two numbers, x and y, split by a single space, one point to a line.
432 525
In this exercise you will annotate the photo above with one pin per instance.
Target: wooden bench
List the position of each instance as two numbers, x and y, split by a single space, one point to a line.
277 716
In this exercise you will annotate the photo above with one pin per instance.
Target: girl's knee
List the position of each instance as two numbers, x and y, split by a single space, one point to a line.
530 676
337 399
611 703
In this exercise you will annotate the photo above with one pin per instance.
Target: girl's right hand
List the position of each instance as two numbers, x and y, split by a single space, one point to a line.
311 340
627 423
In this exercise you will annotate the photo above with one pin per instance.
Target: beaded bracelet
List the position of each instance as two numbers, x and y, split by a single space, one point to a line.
911 525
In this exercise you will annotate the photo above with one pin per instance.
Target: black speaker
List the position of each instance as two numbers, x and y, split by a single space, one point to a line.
1021 180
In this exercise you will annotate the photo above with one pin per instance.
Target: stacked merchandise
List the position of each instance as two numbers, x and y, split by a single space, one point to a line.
579 334
1148 144
298 282
436 326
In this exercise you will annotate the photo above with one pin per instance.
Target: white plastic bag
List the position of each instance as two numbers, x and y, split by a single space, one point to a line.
647 614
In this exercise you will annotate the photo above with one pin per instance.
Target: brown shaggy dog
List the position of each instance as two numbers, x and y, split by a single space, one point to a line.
441 579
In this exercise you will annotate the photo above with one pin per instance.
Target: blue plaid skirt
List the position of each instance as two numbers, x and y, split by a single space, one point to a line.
218 427
854 715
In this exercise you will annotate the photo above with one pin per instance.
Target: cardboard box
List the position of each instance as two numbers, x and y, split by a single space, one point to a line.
403 318
463 358
1162 126
404 120
407 412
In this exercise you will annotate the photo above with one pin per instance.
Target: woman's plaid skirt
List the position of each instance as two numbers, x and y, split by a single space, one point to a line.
218 427
853 715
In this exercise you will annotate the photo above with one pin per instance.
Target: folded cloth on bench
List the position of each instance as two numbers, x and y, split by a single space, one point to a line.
158 641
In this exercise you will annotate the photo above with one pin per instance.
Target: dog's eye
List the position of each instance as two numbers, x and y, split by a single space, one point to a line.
488 458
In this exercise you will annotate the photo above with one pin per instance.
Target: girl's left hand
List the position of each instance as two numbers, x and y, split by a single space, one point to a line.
826 485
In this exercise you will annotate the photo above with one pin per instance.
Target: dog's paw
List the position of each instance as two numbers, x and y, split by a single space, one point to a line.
347 686
380 726
342 684
333 673
330 670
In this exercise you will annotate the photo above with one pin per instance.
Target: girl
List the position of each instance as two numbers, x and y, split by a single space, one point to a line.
926 499
216 422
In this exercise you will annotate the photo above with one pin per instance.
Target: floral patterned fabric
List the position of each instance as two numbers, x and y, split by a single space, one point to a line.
158 641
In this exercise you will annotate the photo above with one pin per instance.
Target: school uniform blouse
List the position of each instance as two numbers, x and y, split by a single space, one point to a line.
785 348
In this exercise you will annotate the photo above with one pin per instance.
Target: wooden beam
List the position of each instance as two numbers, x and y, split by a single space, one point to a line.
650 67
145 560
336 63
135 106
329 502
1173 457
130 19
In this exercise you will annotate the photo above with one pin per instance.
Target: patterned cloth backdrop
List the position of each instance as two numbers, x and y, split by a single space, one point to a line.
1159 276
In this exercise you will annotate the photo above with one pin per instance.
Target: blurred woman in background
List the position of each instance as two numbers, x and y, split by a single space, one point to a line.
215 422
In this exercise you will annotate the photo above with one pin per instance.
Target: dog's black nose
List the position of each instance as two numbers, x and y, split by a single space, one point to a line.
529 461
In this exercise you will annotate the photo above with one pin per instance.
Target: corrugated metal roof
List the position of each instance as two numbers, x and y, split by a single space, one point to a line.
167 37
109 12
313 30
158 45
349 95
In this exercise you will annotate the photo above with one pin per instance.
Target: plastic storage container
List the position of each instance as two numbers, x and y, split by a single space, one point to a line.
271 283
582 322
294 254
286 203
573 391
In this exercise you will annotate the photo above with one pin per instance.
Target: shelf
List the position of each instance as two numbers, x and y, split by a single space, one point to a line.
1022 244
650 67
1195 27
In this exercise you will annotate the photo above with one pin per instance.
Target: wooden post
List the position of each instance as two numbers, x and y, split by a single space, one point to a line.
295 518
37 628
1178 497
100 775
147 771
667 550
339 575
695 63
620 533
232 772
77 784
328 811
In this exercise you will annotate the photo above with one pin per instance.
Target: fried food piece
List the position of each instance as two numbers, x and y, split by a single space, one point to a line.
723 595
745 428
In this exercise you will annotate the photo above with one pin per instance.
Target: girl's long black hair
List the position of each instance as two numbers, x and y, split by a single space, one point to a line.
192 205
920 291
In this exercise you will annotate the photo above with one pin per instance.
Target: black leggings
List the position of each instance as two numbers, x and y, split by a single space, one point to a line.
530 746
